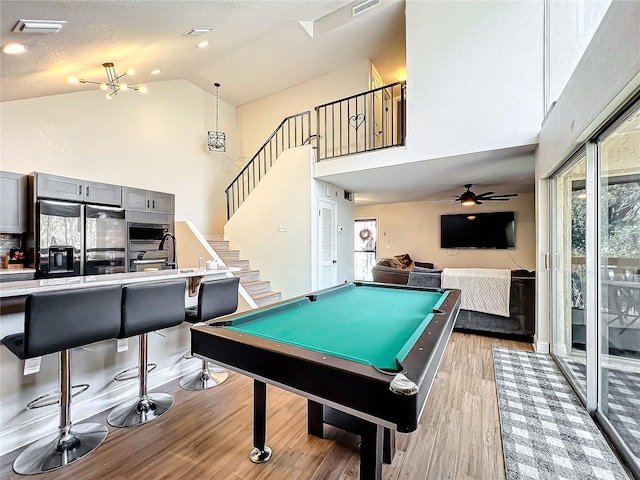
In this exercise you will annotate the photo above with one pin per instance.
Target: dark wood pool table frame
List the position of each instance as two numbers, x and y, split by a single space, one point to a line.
348 386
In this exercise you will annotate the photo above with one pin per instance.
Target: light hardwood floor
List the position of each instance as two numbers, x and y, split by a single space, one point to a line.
208 435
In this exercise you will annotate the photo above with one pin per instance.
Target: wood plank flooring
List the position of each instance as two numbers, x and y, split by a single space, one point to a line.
208 434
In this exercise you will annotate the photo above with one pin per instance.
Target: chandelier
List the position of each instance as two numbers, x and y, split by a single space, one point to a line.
113 84
216 141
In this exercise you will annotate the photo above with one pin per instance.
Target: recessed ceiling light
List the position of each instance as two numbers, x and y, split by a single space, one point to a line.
39 26
203 44
155 72
198 31
14 48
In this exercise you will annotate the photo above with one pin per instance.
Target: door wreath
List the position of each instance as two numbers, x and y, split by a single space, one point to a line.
365 234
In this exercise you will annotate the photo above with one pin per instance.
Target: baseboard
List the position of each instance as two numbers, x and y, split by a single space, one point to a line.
22 434
506 336
542 347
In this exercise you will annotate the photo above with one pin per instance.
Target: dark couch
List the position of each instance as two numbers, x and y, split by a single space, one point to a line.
521 322
396 269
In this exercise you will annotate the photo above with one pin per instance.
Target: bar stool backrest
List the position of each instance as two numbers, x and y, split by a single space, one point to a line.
151 306
56 321
217 298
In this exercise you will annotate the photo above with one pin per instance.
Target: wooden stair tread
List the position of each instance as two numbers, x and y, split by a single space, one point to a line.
264 295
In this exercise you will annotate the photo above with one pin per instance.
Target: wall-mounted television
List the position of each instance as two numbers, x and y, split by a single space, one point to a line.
478 230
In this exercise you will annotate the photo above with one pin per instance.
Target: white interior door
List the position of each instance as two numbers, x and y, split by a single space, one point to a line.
327 244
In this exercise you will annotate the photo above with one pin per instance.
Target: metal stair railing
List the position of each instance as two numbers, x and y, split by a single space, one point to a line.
363 122
294 131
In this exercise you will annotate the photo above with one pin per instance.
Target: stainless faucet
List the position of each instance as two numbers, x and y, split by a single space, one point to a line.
173 264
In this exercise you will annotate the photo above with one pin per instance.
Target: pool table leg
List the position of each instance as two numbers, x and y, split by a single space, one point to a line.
371 440
315 419
260 453
318 415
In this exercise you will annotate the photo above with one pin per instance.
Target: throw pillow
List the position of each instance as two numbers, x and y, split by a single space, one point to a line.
406 261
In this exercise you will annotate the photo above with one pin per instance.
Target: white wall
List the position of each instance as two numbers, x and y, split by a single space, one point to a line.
474 76
155 141
414 228
287 196
608 73
606 77
283 197
255 121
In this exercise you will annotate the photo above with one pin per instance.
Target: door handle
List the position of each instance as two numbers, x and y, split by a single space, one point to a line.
334 261
153 204
147 203
87 191
79 189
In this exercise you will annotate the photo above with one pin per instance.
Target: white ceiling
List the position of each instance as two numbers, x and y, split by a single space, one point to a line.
256 48
506 171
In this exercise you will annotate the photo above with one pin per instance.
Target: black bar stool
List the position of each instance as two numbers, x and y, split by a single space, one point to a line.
215 299
58 322
145 308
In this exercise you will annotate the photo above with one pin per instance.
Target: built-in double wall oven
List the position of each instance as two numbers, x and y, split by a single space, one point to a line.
143 246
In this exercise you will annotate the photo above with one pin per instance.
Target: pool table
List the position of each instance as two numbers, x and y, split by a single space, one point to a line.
368 350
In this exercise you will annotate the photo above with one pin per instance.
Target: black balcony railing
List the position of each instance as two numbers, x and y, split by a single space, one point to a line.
293 131
360 123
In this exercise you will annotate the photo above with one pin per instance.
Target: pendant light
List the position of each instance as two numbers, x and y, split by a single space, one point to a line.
216 141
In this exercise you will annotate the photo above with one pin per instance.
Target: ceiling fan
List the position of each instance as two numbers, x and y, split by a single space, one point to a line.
469 198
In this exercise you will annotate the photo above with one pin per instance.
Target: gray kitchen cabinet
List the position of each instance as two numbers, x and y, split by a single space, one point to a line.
139 200
65 188
57 187
102 193
13 207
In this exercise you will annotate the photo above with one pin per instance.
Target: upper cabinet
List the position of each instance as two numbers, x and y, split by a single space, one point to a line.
13 210
64 188
147 201
102 193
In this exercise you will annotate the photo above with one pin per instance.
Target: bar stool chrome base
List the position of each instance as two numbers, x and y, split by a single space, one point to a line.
60 449
140 411
260 456
204 378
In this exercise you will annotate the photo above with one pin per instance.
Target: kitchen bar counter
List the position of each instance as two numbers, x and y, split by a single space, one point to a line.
96 364
27 287
16 271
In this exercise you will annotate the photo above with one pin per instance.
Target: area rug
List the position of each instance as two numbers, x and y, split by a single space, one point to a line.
623 400
546 432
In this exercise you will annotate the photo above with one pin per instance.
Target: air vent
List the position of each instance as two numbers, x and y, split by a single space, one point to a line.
39 26
364 6
198 31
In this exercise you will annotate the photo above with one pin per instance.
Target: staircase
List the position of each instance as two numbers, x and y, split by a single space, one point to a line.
260 290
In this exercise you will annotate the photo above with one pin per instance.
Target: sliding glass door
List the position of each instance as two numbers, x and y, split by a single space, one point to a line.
619 315
595 278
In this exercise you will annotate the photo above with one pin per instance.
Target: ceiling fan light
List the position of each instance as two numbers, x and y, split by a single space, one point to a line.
469 202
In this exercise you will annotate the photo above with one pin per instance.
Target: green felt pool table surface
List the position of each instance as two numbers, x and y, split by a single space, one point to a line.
367 324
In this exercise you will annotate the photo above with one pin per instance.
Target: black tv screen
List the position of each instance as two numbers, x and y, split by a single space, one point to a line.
478 230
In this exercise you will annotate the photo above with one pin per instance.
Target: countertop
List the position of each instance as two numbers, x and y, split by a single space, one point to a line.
15 271
27 287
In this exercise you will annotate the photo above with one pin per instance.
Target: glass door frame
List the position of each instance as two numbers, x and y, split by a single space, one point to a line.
622 115
555 269
593 289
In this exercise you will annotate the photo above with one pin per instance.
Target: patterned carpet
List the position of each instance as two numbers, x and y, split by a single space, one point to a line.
546 432
623 400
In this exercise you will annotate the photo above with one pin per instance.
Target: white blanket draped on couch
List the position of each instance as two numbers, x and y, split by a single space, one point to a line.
483 289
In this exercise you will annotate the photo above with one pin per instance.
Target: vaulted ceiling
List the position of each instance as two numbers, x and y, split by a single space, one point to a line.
255 48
